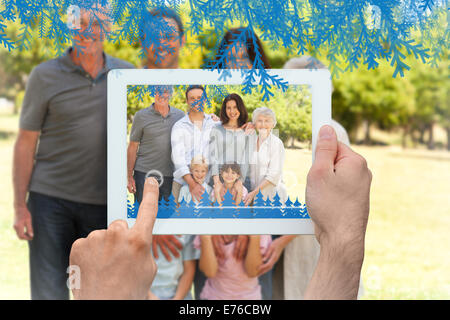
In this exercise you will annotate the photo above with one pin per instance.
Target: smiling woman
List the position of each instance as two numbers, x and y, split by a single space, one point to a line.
229 143
266 169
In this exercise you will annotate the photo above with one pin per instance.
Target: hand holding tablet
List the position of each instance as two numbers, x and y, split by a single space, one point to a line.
337 196
338 201
117 263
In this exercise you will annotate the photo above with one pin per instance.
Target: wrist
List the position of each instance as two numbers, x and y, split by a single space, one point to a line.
345 251
20 205
339 267
284 240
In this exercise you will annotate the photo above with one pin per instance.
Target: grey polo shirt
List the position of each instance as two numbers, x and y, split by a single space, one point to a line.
153 131
68 107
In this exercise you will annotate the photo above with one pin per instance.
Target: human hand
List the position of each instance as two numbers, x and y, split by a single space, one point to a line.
250 196
218 242
22 223
131 186
116 263
214 117
249 128
219 191
165 242
196 191
271 256
237 190
337 191
240 248
337 198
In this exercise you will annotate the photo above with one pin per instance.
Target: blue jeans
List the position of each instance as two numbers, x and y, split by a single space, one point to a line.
265 281
57 223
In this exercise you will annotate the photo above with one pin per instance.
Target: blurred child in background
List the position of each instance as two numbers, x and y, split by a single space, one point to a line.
173 280
229 278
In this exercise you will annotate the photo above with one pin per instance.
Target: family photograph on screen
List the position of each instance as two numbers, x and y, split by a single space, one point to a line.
216 151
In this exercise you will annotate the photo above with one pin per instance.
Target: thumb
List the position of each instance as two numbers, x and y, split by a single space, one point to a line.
326 149
29 227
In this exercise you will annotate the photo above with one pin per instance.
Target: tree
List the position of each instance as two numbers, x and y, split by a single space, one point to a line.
432 103
292 108
372 97
17 64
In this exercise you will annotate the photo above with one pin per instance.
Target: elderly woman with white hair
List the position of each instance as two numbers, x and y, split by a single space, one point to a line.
267 159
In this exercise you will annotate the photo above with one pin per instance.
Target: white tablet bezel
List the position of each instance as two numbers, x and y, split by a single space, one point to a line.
319 81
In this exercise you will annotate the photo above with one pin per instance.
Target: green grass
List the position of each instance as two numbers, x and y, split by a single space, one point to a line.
408 242
408 238
14 277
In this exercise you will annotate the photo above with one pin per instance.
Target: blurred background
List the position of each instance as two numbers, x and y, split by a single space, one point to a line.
400 125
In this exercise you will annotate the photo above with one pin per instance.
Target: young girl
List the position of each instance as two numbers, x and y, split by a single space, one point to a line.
229 175
228 278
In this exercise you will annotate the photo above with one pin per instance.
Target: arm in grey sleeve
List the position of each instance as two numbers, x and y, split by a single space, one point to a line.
136 128
35 103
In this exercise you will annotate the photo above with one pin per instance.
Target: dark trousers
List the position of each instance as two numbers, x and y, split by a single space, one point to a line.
57 223
164 190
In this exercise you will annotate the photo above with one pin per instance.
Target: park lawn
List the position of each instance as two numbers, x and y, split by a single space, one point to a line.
14 277
407 240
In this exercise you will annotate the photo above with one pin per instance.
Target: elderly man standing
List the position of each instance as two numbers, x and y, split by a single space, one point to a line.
149 151
63 117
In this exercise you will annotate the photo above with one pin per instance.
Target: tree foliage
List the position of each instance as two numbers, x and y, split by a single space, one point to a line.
362 59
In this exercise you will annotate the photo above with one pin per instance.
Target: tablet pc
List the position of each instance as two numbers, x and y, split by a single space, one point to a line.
267 213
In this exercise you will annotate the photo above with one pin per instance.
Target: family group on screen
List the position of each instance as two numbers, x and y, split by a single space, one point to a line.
199 156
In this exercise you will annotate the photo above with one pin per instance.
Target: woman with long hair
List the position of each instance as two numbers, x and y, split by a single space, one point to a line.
240 48
230 144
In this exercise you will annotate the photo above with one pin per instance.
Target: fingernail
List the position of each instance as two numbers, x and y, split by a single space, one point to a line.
326 132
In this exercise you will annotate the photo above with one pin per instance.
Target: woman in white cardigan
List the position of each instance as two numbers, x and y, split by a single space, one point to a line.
267 159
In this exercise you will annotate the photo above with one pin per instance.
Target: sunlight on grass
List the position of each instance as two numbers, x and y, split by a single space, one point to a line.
14 277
